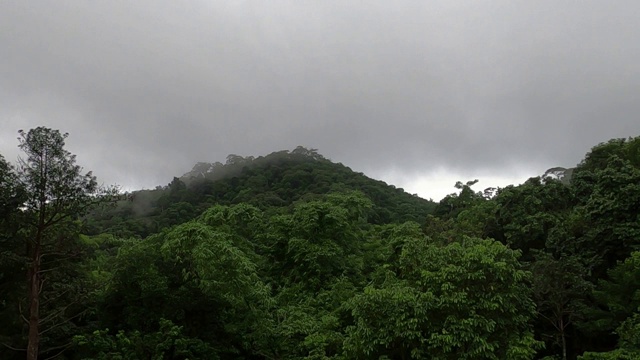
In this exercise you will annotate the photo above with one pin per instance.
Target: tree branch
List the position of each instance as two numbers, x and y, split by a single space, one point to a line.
26 321
12 348
552 321
54 298
41 287
47 270
63 322
54 314
63 347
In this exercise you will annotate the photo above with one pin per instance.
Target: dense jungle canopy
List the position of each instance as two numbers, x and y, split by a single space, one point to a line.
292 256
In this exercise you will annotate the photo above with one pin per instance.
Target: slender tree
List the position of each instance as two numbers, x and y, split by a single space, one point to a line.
56 192
560 289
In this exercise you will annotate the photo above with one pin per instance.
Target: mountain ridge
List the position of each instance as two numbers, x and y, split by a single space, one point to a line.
268 182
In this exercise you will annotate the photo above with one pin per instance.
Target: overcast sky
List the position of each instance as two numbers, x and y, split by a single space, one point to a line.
417 93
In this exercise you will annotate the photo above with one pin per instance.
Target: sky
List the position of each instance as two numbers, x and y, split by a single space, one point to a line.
419 94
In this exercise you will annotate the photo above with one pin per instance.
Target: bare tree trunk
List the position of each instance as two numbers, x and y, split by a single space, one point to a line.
35 286
34 302
564 339
33 342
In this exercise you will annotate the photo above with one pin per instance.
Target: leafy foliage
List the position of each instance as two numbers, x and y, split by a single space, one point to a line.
270 182
447 302
290 256
168 342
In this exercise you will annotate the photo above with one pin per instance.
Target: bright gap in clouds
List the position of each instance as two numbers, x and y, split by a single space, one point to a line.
438 184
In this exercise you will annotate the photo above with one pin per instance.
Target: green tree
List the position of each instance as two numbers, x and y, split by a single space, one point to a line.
628 345
201 275
528 213
10 191
611 211
453 204
56 193
320 241
446 302
607 185
560 289
11 256
169 342
618 296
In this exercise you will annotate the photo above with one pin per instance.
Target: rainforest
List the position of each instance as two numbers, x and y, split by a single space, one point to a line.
292 256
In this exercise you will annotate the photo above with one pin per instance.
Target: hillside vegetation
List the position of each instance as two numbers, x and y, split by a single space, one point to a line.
270 183
291 256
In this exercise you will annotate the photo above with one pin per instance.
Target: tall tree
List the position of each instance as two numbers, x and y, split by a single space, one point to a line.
560 290
56 192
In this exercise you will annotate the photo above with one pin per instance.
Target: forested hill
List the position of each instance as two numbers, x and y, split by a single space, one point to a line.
268 182
292 257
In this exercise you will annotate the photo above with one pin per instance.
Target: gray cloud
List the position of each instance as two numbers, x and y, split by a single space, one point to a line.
146 89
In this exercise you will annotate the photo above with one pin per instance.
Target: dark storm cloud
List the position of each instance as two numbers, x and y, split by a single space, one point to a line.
146 89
